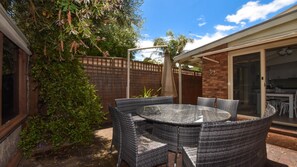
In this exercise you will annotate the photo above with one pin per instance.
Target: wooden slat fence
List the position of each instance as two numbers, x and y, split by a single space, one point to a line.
109 75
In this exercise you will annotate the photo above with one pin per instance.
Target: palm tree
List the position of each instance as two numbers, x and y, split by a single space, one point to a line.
175 46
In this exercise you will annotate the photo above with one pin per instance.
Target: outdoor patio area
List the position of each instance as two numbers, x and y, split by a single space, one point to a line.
98 153
88 83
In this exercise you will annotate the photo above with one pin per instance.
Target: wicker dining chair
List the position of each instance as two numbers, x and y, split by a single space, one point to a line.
116 129
139 150
132 104
236 143
205 101
188 135
228 105
284 106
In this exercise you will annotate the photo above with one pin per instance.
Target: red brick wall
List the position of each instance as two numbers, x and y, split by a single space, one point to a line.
215 76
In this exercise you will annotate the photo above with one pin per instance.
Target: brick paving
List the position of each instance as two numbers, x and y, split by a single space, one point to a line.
279 156
98 154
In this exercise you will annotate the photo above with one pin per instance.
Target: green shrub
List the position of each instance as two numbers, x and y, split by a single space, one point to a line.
70 107
148 93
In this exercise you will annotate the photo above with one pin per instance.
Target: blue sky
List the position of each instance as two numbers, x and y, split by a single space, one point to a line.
203 20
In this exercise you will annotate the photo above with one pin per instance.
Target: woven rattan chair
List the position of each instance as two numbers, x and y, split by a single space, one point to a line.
205 101
236 143
116 129
188 136
228 105
139 150
132 104
284 106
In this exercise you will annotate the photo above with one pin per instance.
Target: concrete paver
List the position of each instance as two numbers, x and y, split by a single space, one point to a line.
282 155
275 153
98 155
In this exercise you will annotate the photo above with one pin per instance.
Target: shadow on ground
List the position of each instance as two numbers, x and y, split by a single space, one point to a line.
271 163
94 155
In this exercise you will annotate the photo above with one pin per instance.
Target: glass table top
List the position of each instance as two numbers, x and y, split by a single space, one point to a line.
182 114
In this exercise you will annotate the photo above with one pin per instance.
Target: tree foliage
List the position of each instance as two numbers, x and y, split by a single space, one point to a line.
175 44
58 31
70 108
101 27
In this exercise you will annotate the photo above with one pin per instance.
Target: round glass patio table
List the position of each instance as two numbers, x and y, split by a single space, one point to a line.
179 124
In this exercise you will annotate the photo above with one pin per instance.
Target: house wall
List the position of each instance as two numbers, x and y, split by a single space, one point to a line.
10 130
8 147
215 76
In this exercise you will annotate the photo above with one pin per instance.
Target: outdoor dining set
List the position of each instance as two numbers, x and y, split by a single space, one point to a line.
206 134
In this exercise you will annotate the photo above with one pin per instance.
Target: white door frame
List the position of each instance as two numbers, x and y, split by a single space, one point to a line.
256 49
262 74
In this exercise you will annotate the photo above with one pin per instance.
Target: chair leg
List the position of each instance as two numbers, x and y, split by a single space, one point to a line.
167 163
110 150
287 109
281 110
119 161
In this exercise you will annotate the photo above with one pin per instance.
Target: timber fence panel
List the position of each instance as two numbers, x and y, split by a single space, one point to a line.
109 75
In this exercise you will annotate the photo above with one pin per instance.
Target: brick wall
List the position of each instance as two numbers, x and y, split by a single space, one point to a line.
215 76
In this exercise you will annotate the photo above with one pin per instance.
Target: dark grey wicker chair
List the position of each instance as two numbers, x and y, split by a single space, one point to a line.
116 129
132 104
228 105
139 150
188 136
238 143
205 101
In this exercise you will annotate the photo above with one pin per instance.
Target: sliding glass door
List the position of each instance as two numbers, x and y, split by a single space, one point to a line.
281 90
247 83
265 74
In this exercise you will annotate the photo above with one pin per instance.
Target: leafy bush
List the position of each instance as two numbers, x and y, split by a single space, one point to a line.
70 110
58 31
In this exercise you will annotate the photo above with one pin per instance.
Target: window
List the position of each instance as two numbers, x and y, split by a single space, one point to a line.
9 101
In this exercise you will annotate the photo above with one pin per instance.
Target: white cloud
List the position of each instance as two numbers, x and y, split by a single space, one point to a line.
198 41
224 27
201 24
253 10
202 40
145 43
242 24
145 35
201 21
152 53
